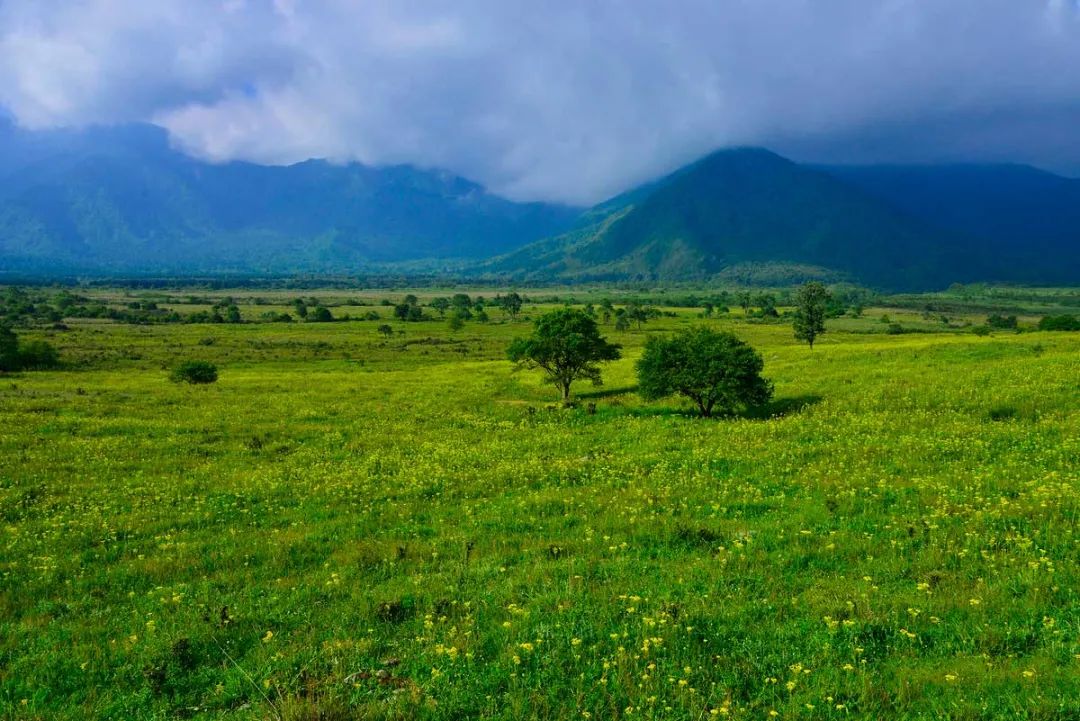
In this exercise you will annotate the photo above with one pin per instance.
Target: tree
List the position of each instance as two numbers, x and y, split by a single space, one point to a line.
441 305
511 304
456 322
321 314
385 330
716 370
568 346
811 307
622 320
461 301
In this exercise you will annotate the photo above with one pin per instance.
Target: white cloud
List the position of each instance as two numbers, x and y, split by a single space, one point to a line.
562 100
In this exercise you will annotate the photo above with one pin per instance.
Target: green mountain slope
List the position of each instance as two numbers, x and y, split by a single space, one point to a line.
121 200
743 208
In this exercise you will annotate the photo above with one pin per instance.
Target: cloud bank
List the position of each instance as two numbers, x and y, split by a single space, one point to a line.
569 100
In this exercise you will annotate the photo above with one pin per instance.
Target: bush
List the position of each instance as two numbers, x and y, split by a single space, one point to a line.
194 372
895 329
981 330
32 355
1060 322
38 355
1002 322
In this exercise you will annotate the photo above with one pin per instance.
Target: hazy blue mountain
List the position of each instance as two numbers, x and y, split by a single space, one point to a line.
750 211
122 200
1026 221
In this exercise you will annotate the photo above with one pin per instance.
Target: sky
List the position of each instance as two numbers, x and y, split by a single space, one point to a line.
559 100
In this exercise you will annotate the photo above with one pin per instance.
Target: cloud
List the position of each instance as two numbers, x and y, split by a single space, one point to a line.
561 100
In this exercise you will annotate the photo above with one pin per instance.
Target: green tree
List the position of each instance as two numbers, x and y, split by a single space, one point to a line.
622 320
811 308
511 304
566 344
385 330
440 305
457 321
321 314
716 370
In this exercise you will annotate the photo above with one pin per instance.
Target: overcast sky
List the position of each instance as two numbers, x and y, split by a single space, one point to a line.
558 100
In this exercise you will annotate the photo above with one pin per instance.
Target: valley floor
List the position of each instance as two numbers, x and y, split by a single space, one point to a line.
352 526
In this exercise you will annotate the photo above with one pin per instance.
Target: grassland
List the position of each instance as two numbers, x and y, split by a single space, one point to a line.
347 526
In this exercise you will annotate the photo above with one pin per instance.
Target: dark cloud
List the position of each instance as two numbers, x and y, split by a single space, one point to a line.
564 100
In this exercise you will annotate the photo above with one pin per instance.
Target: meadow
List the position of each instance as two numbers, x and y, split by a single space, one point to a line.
349 525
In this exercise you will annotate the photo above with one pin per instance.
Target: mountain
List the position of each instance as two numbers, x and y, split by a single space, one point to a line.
121 200
1026 221
750 211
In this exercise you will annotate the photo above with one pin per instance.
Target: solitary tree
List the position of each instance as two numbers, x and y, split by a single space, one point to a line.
716 370
385 330
568 346
811 307
511 304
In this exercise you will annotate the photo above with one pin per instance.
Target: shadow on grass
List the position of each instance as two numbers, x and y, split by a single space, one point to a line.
778 408
606 393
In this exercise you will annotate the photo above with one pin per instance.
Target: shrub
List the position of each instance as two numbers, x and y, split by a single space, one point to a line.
1060 322
38 355
1002 322
895 329
194 372
321 314
32 355
981 330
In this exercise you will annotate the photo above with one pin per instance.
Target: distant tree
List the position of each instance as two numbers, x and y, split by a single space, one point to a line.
811 308
622 320
743 299
321 314
456 322
511 304
716 370
641 314
408 312
411 299
568 346
482 316
194 372
386 330
301 307
232 314
707 309
1002 322
461 301
441 305
767 303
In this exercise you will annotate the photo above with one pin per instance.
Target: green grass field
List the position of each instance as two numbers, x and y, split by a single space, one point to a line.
351 527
